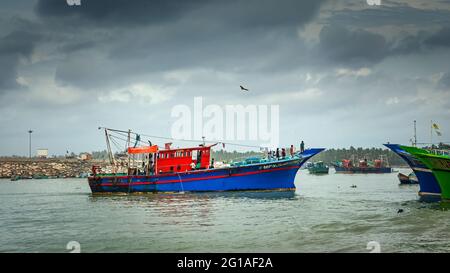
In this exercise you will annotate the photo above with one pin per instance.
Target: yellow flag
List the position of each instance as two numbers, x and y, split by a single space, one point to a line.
435 126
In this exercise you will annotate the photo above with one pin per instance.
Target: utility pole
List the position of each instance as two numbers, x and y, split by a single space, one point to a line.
29 148
415 134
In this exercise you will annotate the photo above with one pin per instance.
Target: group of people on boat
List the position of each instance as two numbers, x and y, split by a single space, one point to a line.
282 153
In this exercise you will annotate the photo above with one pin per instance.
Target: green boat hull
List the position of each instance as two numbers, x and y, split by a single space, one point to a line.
318 170
438 164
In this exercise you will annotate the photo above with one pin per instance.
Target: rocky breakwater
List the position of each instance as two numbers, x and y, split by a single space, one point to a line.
43 168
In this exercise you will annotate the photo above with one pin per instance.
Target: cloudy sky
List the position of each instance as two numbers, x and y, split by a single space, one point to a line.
342 72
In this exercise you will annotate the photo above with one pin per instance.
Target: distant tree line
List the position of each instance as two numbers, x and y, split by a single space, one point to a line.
334 155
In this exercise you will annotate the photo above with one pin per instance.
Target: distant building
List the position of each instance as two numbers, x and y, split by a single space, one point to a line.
85 156
42 153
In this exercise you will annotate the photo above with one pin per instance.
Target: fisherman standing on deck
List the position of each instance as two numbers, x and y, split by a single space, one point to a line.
291 150
283 153
278 153
302 147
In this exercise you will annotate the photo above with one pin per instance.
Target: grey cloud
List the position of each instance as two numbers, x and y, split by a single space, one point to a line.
216 34
358 47
14 46
440 38
241 13
111 13
390 13
444 82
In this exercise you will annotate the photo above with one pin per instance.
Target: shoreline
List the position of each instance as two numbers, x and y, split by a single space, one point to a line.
26 168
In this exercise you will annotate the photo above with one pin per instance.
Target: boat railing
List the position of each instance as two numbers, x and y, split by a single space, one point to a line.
440 152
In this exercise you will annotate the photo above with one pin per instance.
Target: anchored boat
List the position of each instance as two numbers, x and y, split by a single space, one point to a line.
410 179
318 167
191 169
364 166
428 186
438 162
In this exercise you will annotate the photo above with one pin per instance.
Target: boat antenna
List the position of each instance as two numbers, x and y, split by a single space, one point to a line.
431 133
415 134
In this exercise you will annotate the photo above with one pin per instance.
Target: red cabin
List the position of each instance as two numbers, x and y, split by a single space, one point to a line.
347 163
182 159
378 163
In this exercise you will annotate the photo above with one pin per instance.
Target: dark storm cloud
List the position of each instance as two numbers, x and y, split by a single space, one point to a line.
390 13
117 12
440 38
357 47
14 46
219 34
241 13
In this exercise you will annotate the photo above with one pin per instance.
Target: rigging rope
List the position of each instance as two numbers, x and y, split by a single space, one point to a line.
138 139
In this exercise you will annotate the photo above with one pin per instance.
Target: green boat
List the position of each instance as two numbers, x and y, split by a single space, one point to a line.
318 168
439 164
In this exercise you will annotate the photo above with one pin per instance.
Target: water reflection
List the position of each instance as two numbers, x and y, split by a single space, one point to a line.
197 196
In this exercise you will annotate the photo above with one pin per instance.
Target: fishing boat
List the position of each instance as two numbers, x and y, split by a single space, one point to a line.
429 188
364 166
149 169
438 161
318 167
407 179
15 178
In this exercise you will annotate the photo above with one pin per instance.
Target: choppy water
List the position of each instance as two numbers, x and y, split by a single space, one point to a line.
325 214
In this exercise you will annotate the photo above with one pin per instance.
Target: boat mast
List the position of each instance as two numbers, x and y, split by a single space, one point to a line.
431 133
108 145
128 146
415 134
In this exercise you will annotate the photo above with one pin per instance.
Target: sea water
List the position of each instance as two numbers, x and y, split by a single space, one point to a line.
327 213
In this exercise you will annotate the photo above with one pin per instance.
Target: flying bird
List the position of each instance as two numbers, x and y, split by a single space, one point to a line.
243 88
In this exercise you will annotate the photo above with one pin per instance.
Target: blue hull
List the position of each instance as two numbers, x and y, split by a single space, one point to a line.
275 175
429 187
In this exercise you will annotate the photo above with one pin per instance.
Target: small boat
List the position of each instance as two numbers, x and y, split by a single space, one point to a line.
408 179
40 176
318 167
15 178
